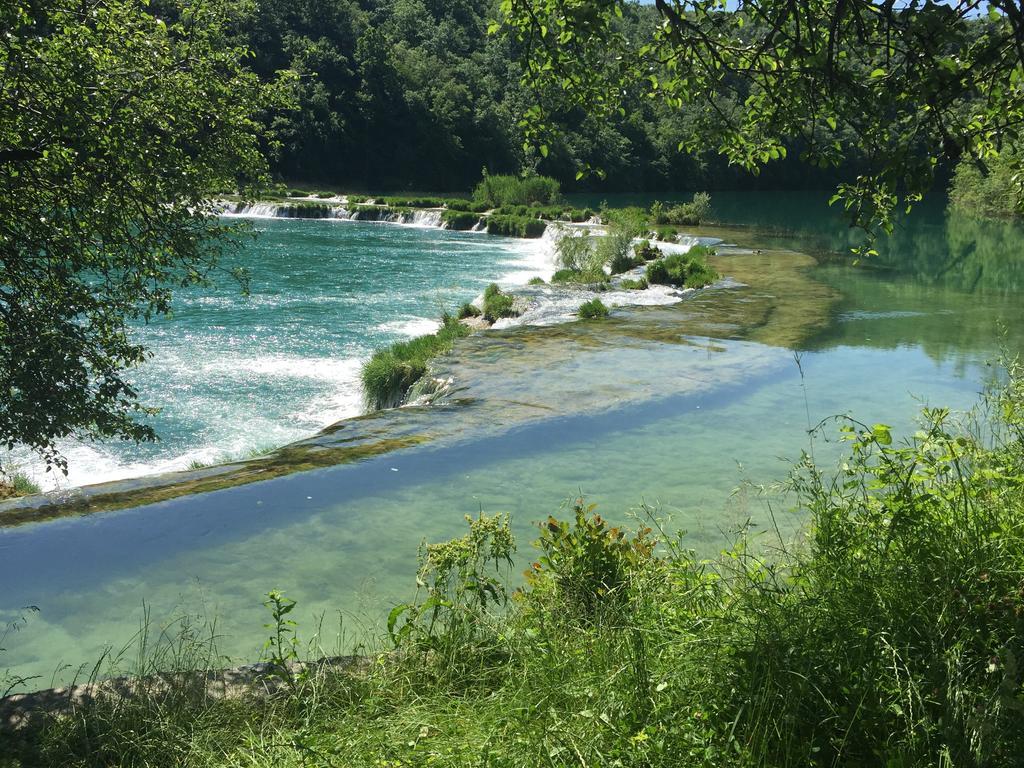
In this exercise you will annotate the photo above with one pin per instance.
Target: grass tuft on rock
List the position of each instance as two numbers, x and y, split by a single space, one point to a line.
389 374
592 310
689 270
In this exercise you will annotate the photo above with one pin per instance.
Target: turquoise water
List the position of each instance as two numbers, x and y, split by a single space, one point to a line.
234 374
687 408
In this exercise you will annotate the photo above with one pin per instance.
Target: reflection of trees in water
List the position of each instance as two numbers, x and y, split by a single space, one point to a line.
963 254
945 283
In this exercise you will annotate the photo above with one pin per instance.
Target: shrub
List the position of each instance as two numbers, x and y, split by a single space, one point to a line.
356 199
536 281
468 310
683 269
390 372
500 190
590 310
497 304
324 195
460 220
646 252
688 214
515 226
633 285
575 251
615 249
666 235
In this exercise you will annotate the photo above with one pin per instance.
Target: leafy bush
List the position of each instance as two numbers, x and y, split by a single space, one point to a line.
683 269
460 220
615 249
468 310
666 235
646 252
388 375
515 226
688 214
590 310
497 304
499 190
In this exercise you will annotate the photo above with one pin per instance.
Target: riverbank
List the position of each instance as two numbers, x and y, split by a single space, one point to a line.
626 647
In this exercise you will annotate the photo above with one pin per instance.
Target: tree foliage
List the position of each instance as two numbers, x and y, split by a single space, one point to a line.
116 125
904 86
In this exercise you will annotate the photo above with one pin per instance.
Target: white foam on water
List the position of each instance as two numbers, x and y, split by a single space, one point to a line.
411 327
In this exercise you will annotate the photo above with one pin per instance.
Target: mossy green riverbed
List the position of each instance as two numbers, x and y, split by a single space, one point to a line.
674 406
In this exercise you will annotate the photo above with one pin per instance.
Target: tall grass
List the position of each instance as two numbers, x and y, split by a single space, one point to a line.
890 633
498 190
389 374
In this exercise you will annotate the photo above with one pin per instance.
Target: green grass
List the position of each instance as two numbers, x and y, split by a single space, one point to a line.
633 285
497 304
389 374
468 310
498 190
460 220
536 281
689 269
687 214
592 310
516 226
890 632
15 484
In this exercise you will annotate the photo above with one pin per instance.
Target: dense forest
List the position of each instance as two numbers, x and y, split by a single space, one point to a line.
414 94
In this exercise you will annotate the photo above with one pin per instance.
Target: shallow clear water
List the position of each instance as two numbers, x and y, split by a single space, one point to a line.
673 406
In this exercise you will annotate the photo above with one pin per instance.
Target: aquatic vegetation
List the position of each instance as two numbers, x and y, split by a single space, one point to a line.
516 226
633 285
468 310
646 252
498 190
497 304
461 204
590 310
666 234
414 202
536 281
690 270
460 220
890 626
687 214
389 374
